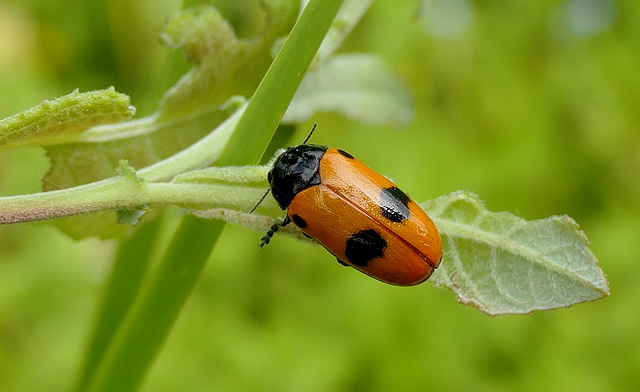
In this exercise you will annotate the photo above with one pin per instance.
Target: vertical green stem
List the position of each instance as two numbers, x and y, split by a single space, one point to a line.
129 268
148 324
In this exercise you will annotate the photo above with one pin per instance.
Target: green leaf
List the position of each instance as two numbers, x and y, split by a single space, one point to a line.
131 215
502 264
360 86
200 31
63 119
189 110
225 67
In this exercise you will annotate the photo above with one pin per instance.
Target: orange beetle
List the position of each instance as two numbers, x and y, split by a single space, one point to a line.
357 214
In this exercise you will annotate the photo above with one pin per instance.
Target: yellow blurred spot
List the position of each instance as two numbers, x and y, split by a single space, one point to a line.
18 32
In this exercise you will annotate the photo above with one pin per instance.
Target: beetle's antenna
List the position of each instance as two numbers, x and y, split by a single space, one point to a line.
260 201
310 133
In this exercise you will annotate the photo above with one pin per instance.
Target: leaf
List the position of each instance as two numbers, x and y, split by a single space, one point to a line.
64 118
227 65
190 110
502 264
359 86
200 31
194 107
77 164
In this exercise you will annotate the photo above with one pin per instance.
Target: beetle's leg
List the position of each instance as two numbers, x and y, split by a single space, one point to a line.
267 237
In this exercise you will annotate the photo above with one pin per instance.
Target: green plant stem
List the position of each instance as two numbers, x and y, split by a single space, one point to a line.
129 268
123 193
148 323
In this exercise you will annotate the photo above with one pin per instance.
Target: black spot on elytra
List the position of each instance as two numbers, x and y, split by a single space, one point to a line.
394 204
345 154
298 221
364 246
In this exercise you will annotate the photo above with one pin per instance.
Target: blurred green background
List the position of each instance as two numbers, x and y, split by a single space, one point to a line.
535 106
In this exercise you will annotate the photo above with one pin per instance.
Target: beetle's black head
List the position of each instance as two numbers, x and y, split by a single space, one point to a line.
295 170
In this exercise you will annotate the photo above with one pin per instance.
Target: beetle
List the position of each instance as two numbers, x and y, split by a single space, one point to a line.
357 214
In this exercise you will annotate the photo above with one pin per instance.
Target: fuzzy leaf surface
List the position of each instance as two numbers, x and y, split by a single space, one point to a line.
502 264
